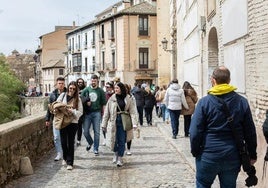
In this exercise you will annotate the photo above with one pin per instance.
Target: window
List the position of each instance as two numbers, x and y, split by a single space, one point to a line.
102 33
93 63
85 44
143 58
113 59
112 30
72 43
60 71
103 60
93 38
86 68
143 25
77 62
79 43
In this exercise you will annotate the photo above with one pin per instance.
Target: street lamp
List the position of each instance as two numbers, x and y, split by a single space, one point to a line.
164 45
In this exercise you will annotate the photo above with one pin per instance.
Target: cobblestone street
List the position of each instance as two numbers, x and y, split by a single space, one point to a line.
156 161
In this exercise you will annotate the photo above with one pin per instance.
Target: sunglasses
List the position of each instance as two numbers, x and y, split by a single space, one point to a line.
72 88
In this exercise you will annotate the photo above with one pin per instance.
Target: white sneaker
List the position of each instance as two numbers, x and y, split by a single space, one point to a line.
128 152
119 162
104 143
63 163
69 167
115 158
58 157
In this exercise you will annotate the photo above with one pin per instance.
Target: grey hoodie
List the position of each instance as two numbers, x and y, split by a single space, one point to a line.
175 97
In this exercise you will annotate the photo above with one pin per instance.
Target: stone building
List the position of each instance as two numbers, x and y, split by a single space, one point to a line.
231 33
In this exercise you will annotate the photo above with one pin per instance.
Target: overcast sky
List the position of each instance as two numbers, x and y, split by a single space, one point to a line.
22 22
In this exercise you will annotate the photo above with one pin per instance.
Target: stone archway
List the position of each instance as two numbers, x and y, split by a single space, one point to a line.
213 52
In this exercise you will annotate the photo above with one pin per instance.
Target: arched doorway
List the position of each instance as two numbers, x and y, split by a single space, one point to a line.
213 52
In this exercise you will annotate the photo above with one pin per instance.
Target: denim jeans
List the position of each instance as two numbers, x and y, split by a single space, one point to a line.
174 120
57 142
93 118
163 110
121 137
206 172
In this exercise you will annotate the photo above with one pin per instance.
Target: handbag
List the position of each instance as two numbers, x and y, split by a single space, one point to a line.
242 147
126 119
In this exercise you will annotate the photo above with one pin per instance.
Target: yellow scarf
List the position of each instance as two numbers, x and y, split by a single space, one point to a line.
221 89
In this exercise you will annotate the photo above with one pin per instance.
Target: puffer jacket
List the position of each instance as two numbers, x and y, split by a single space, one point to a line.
110 114
175 97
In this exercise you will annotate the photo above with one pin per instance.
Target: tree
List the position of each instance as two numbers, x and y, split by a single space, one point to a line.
10 88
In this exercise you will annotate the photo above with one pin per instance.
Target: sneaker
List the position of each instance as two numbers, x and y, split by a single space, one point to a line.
69 167
58 157
115 158
88 147
174 137
128 152
104 143
119 162
63 163
96 153
78 143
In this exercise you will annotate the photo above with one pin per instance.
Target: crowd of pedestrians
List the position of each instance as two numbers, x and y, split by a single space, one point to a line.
211 138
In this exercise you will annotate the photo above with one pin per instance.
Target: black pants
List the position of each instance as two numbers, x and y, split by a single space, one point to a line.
148 115
187 122
140 112
79 130
67 137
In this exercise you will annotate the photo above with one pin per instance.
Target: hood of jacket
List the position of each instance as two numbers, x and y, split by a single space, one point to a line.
175 86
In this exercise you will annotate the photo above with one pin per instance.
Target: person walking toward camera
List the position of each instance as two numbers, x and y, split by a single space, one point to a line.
67 134
81 85
191 99
212 141
120 101
94 102
60 88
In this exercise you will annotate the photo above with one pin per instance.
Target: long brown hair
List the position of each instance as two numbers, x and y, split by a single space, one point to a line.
76 94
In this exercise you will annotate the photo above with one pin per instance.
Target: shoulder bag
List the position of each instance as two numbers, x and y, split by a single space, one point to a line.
252 180
126 119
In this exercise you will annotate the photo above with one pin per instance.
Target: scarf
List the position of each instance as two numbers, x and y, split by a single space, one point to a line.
221 89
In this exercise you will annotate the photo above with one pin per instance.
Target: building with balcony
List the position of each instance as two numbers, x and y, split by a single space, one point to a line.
80 59
127 42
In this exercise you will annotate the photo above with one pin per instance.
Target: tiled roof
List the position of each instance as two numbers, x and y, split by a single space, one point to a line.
54 63
142 8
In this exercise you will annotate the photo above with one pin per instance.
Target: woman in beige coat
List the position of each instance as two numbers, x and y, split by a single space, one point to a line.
191 99
119 136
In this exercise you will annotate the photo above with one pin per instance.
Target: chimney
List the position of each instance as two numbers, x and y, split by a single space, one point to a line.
126 3
73 24
114 10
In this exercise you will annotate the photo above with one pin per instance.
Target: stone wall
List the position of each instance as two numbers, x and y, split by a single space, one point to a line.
33 105
26 137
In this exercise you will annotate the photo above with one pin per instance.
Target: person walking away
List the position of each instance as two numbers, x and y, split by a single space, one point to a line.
81 85
161 101
139 94
157 105
109 86
93 111
149 103
60 88
67 134
212 141
191 99
120 100
174 99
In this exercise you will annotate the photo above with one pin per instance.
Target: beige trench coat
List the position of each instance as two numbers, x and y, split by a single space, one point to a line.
109 118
